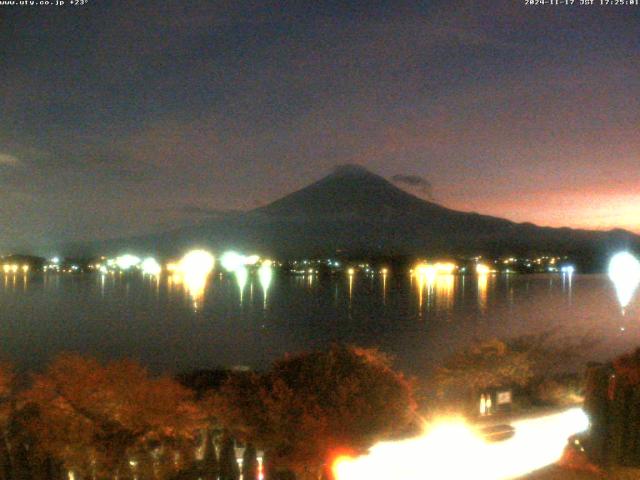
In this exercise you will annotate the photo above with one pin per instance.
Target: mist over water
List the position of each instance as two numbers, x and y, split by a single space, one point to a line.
159 323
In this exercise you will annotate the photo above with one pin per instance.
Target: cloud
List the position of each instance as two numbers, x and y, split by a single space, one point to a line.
415 182
6 159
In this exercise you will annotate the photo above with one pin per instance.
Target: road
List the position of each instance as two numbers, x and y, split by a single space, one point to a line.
452 449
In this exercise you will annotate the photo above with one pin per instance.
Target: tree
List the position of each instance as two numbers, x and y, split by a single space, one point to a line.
20 457
203 381
627 368
229 469
210 464
7 402
310 405
250 463
548 350
494 363
94 417
239 405
483 365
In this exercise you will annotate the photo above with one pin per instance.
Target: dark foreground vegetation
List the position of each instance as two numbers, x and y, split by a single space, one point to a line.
610 449
82 419
613 404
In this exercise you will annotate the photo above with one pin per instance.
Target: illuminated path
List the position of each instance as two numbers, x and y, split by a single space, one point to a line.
451 450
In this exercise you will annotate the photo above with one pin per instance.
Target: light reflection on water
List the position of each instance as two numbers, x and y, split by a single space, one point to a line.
444 291
250 320
483 286
384 287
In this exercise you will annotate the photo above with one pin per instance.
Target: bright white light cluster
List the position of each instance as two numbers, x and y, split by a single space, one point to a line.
125 262
232 261
265 273
624 272
194 269
150 266
429 271
237 263
482 269
241 276
197 262
451 449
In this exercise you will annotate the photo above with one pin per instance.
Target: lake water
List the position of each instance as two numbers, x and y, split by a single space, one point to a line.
160 323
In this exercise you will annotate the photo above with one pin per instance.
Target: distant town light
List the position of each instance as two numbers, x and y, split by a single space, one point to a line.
265 274
426 271
231 261
195 268
251 259
482 269
241 277
197 262
446 267
172 267
151 267
125 262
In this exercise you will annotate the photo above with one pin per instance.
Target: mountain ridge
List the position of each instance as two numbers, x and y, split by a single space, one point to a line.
353 211
348 187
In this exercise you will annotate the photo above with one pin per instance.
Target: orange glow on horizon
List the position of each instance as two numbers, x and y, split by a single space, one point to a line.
592 210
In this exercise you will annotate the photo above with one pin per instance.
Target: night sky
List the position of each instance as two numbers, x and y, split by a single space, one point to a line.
124 117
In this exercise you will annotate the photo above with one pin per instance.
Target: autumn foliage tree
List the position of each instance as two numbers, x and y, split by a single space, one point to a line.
229 469
20 457
250 463
495 363
7 380
311 405
103 420
487 364
6 409
115 420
